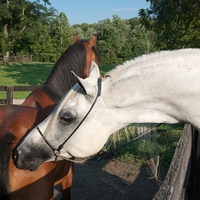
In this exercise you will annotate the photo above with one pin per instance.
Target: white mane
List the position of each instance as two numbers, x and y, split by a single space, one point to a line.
150 60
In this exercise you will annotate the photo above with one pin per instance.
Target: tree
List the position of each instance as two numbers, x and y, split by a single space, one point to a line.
112 36
120 40
140 41
13 23
61 33
84 30
20 22
176 23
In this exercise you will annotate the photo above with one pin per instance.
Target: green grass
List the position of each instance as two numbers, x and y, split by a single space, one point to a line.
24 74
17 74
35 73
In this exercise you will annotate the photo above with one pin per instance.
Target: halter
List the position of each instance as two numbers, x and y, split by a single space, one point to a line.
57 150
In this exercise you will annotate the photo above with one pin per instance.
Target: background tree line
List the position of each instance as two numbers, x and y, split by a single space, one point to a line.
34 28
176 23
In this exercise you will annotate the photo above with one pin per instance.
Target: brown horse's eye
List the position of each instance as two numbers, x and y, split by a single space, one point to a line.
66 118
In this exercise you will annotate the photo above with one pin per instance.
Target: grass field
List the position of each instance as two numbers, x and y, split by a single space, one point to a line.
23 74
17 74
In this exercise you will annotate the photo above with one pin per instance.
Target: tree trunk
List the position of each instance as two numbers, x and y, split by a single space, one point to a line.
5 29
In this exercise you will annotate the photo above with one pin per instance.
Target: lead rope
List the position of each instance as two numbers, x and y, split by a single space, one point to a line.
57 151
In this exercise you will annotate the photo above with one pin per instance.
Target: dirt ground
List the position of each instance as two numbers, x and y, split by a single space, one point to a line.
113 180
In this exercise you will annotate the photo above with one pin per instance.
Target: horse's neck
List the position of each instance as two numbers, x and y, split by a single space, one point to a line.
61 79
164 91
40 100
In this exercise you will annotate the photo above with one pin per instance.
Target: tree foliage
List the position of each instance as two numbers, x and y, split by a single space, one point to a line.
112 38
176 23
21 23
38 29
31 27
118 40
60 32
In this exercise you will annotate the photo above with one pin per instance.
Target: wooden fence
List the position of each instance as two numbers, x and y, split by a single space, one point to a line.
9 92
11 59
183 181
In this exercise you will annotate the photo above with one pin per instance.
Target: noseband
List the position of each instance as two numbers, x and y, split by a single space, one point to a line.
57 150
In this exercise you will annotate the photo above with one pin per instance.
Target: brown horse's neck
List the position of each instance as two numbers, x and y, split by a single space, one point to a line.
76 58
40 100
61 79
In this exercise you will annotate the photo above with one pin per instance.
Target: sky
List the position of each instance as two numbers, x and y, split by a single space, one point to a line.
92 11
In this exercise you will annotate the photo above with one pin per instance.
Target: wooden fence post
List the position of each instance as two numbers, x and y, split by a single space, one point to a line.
4 60
11 89
194 186
9 94
176 183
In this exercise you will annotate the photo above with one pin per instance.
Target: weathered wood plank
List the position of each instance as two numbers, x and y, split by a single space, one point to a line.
176 181
10 89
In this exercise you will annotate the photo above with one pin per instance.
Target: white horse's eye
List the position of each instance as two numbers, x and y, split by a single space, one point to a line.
66 118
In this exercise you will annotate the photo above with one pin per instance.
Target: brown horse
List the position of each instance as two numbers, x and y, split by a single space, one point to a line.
16 121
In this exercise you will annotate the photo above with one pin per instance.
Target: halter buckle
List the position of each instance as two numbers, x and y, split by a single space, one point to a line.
57 154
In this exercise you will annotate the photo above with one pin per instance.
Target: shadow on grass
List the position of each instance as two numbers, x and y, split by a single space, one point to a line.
28 74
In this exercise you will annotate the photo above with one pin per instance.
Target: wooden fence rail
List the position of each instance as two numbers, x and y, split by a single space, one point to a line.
9 92
11 59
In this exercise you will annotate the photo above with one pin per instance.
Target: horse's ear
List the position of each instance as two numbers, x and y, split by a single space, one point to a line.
76 37
94 71
88 84
88 88
92 41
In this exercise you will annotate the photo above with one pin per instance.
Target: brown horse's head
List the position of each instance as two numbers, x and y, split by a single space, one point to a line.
91 51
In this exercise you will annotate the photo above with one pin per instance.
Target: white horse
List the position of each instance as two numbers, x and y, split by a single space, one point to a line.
161 87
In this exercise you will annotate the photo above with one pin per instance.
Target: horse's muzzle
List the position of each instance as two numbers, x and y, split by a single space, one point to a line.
21 162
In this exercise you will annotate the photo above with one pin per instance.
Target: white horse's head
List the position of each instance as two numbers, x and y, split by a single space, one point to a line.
67 129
